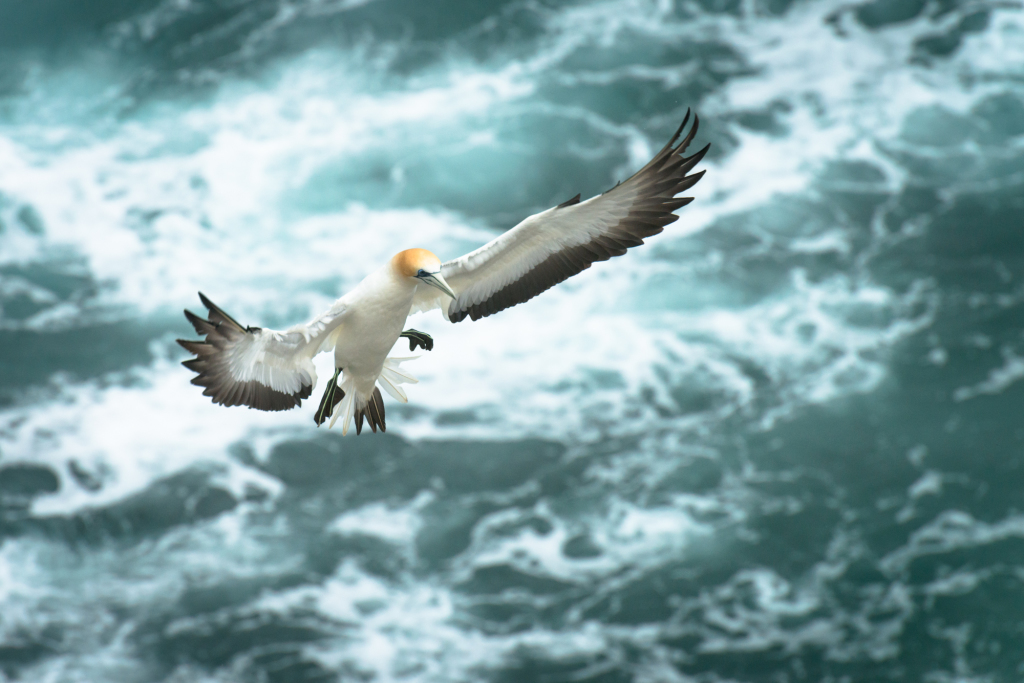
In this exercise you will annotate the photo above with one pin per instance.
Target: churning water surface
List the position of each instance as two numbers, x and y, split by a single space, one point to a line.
781 442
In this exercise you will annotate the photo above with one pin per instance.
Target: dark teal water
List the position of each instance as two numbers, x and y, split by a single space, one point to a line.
780 443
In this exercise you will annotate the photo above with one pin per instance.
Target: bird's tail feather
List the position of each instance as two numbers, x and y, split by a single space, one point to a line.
345 408
392 376
347 403
373 411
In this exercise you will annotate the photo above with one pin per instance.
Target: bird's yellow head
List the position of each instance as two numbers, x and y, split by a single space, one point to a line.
411 261
423 266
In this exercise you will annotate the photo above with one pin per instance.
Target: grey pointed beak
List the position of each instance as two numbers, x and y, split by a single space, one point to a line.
437 280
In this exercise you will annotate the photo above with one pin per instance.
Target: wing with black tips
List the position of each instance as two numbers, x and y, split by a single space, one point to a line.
256 367
556 244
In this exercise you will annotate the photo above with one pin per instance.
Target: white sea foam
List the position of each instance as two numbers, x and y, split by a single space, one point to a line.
396 525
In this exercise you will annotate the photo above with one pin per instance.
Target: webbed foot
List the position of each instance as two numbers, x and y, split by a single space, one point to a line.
332 397
417 338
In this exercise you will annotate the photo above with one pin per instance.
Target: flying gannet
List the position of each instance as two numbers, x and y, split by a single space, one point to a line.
273 370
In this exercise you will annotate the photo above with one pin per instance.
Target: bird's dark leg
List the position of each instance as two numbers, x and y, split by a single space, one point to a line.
417 338
332 397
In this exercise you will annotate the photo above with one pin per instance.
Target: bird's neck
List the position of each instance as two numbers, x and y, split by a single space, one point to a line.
386 286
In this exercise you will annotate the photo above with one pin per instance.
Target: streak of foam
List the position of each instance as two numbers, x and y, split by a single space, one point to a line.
394 525
627 538
1010 372
755 627
952 530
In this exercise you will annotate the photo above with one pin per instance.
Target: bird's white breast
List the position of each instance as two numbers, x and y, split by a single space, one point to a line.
377 310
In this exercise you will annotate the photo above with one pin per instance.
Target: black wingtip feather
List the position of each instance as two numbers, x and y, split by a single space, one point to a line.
196 347
681 147
218 315
691 161
569 202
679 131
202 326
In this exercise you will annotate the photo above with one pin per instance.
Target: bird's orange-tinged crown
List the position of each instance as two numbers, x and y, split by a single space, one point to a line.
411 261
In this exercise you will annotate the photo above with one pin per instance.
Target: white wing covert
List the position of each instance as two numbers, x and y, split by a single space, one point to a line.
551 246
260 368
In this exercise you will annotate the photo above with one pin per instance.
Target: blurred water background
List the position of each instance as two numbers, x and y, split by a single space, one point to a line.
782 442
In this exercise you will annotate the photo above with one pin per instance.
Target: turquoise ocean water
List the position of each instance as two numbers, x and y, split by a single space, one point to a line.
782 442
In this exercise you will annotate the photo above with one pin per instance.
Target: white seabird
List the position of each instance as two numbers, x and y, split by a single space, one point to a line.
273 370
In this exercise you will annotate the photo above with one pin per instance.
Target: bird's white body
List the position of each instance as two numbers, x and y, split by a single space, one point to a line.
375 315
273 370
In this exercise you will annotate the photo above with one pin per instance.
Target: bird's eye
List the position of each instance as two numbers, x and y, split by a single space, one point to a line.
421 273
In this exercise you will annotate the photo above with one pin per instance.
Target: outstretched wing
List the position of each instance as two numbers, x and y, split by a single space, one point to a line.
556 244
256 367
